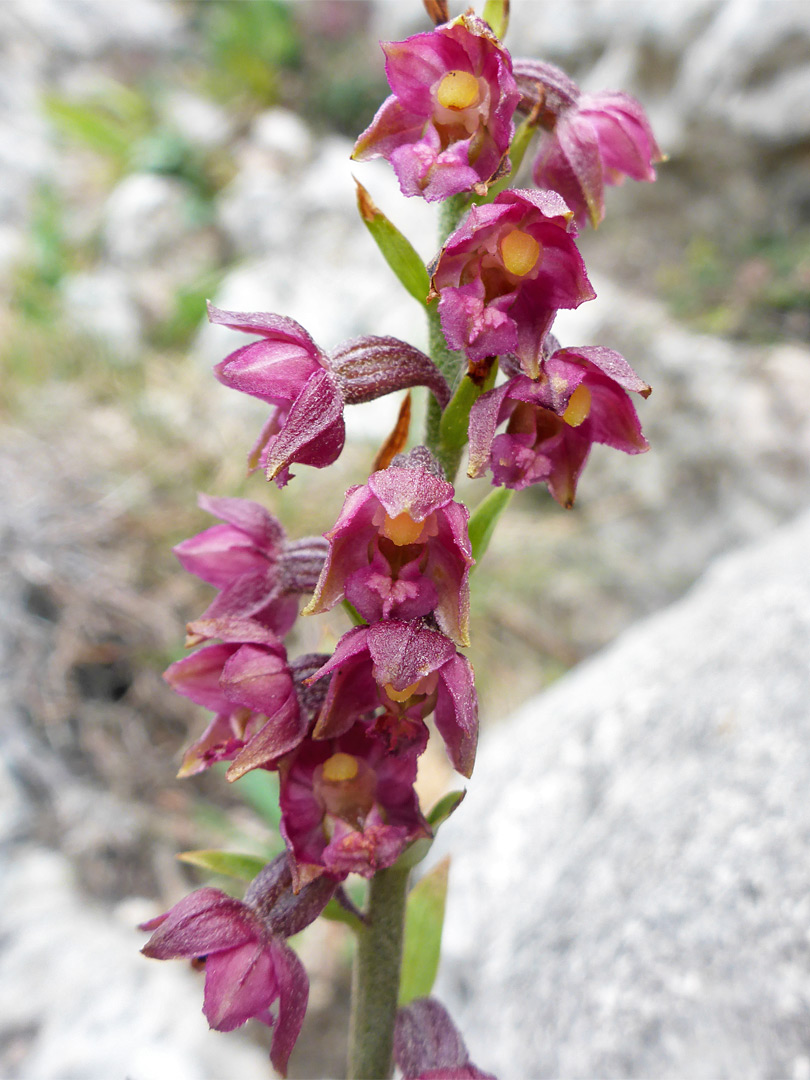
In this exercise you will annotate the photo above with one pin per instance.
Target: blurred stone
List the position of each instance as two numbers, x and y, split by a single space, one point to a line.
201 122
79 1002
284 136
629 887
144 219
100 303
84 28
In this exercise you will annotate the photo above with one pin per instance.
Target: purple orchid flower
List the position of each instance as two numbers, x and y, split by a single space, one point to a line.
427 1045
249 967
308 389
410 671
594 139
579 398
348 804
400 550
260 573
505 272
255 693
448 124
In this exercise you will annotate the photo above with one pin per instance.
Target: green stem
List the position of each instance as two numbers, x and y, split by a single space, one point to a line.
450 364
375 981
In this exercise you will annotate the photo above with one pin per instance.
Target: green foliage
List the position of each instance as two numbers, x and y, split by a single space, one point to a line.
225 863
259 788
496 13
39 276
246 44
755 287
485 517
424 920
188 308
455 418
396 249
111 121
447 805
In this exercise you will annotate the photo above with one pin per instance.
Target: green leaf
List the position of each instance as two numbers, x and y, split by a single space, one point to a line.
447 805
229 863
259 788
485 518
354 614
336 912
455 418
517 151
397 250
424 918
496 13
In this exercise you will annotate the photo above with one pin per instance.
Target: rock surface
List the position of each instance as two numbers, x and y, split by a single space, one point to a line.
629 890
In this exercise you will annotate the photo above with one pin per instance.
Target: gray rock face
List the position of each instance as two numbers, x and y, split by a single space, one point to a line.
629 894
79 1002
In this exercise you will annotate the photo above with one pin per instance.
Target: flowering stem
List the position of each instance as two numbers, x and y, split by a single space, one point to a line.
375 981
450 364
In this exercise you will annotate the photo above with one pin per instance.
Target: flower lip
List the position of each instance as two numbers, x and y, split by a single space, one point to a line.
458 90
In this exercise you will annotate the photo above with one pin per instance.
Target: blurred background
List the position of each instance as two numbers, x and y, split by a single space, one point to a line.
162 152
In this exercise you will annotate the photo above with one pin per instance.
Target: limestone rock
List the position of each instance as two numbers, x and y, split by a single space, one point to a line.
629 889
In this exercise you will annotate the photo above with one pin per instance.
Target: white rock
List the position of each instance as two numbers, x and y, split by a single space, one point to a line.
144 218
100 303
200 121
284 135
629 889
83 1002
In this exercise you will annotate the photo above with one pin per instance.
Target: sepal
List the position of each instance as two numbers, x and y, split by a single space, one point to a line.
370 367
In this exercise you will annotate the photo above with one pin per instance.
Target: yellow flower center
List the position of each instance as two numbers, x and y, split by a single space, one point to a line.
579 405
458 90
340 767
402 529
401 695
519 252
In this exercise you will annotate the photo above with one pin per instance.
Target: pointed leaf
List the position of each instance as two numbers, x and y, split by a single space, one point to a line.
336 912
260 789
484 519
517 151
447 805
396 249
496 13
424 919
229 863
456 417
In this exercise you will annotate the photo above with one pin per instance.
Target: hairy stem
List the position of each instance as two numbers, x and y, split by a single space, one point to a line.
375 980
450 364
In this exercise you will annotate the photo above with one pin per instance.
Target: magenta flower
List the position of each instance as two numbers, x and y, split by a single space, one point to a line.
427 1045
348 803
400 550
410 671
252 689
249 968
595 139
260 573
502 276
448 124
579 398
307 389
